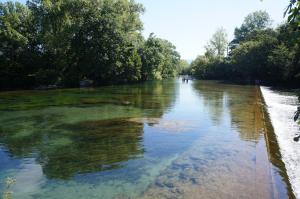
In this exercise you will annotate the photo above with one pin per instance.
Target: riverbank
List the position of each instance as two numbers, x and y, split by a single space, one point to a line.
281 107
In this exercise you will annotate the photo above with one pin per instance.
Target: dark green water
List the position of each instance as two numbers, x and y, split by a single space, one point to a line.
154 140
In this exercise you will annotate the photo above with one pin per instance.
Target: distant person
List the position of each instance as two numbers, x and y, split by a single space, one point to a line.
185 78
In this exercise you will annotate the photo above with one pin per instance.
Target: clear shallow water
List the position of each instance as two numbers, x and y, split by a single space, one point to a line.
153 140
281 107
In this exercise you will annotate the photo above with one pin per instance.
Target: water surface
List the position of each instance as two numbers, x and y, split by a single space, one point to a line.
155 140
281 107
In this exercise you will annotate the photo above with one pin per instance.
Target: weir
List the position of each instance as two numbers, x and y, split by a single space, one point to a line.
280 107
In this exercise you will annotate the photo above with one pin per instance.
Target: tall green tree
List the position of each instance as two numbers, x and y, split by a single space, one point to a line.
65 41
16 45
218 44
256 21
89 39
159 59
249 58
184 67
258 52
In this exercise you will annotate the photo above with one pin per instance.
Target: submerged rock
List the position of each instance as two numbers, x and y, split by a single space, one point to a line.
170 126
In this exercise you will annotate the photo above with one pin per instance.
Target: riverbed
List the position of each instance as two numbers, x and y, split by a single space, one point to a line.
165 139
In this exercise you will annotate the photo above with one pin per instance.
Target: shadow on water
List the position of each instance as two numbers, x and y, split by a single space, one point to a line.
75 131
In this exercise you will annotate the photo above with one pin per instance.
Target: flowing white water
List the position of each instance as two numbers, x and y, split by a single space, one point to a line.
281 108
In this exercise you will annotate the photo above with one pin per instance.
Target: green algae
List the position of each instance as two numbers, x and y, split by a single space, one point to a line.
158 139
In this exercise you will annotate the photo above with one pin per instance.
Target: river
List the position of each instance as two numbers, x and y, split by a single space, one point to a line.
166 139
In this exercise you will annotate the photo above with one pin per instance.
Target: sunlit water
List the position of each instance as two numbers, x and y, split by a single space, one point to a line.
281 107
154 140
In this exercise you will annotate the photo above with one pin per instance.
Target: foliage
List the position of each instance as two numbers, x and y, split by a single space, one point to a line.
218 44
293 12
255 21
15 44
210 65
159 59
203 68
184 67
249 58
64 41
258 52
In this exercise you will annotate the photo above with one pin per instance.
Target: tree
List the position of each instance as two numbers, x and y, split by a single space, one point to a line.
159 59
261 53
249 59
65 41
293 12
210 65
90 39
279 63
199 66
171 60
183 67
16 45
288 37
218 44
255 21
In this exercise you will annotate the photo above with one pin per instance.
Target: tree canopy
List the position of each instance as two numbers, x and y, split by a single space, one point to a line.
255 21
293 12
62 42
218 44
257 52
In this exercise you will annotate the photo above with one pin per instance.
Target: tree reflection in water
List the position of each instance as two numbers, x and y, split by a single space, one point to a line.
239 101
77 131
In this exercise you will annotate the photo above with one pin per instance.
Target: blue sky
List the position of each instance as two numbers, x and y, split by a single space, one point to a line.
189 24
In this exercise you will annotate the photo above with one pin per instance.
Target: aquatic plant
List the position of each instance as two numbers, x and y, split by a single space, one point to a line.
9 182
